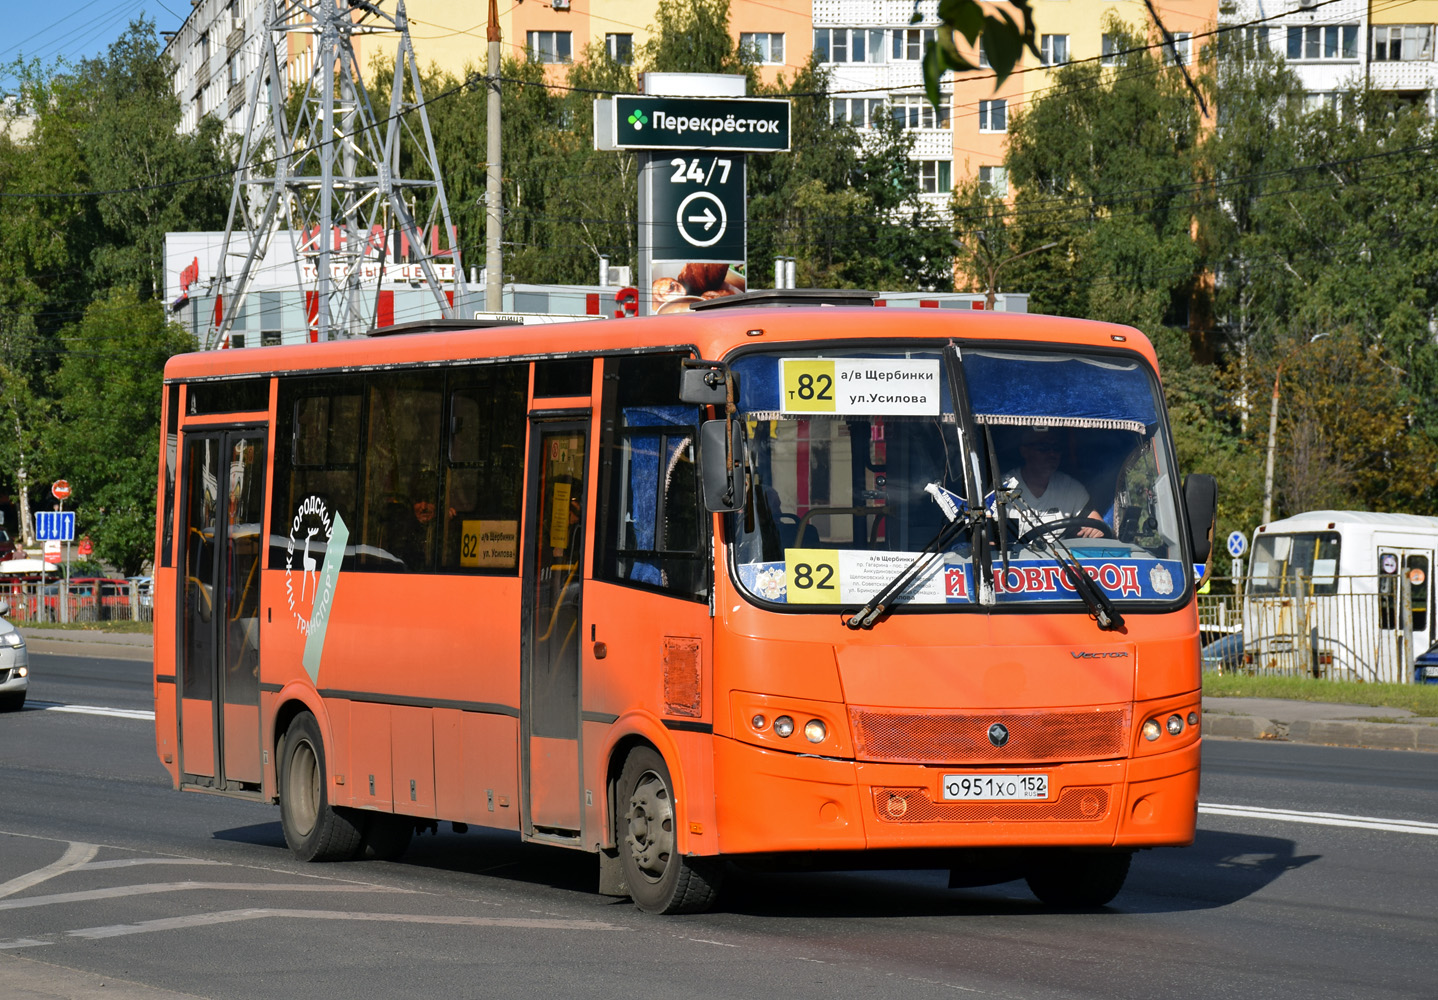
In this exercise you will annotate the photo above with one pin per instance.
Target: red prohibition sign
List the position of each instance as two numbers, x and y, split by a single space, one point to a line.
61 489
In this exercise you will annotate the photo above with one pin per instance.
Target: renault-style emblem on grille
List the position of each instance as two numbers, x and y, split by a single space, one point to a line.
998 734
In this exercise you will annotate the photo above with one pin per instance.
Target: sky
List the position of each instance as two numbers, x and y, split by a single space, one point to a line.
74 29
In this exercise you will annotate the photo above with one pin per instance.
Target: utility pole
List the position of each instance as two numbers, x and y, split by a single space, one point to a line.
493 259
332 176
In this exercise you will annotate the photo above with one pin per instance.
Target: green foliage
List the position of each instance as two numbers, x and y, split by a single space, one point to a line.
106 442
1420 699
1004 35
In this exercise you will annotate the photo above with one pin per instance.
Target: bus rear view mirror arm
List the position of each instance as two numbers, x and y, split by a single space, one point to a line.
721 462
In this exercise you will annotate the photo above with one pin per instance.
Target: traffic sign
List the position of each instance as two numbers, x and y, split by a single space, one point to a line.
61 489
697 208
55 525
1237 544
52 553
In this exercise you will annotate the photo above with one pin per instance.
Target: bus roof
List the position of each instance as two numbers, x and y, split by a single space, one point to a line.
713 333
1348 518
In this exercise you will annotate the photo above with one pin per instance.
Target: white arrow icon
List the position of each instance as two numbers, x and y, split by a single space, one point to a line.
712 221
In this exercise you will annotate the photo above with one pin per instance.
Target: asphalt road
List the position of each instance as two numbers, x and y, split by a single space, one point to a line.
1313 876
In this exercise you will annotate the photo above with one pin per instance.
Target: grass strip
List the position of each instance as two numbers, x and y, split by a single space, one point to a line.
1420 699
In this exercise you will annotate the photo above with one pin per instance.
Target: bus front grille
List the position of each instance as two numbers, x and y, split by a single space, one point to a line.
908 737
913 805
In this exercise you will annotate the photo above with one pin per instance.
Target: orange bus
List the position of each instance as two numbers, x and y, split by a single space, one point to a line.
790 578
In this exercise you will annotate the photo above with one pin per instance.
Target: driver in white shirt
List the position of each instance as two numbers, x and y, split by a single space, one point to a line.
1047 492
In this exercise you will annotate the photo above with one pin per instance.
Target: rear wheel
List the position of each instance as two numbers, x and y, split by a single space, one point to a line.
660 879
1080 879
314 829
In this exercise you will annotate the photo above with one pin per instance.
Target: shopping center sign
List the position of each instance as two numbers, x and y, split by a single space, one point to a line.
715 124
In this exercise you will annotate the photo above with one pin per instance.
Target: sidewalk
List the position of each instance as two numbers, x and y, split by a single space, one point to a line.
90 642
1319 722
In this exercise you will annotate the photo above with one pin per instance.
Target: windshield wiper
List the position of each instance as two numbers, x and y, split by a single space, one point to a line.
958 516
1100 605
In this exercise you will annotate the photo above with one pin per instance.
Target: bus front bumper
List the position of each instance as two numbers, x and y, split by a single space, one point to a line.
772 802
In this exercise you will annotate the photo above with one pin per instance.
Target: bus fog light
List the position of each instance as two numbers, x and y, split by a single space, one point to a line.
784 726
758 722
814 731
1152 730
1193 718
1175 725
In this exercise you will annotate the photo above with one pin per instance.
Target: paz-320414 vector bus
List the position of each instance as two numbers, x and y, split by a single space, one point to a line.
741 585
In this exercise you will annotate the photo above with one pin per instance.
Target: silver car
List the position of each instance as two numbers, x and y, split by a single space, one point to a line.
14 665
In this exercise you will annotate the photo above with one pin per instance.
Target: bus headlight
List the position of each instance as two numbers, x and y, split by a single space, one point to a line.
759 722
784 726
1152 730
815 731
1175 725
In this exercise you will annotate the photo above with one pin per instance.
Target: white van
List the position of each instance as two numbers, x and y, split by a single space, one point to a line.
1329 592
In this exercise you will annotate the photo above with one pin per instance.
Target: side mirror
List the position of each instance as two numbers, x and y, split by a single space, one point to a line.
721 463
1200 496
704 383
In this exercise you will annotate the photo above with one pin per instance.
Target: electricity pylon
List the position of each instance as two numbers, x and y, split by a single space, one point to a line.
332 176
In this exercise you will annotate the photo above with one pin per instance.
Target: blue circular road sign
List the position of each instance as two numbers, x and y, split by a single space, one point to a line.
1237 544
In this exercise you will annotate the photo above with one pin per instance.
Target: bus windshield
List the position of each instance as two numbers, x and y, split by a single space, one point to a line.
1068 450
1282 562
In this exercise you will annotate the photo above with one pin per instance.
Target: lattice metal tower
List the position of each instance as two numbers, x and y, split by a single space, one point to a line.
331 178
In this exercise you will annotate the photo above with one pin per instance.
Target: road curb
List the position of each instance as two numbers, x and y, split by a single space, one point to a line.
1326 732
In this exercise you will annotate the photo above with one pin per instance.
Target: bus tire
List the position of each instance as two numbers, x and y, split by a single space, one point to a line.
660 879
386 837
1079 879
315 830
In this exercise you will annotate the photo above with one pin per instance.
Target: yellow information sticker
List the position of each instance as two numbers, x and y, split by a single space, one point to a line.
559 517
489 544
808 386
811 576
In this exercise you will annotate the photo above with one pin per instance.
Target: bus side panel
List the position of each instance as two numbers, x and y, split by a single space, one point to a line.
412 754
658 662
1166 666
369 756
476 768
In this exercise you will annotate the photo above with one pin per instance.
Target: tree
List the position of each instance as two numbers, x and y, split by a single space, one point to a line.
106 442
1003 35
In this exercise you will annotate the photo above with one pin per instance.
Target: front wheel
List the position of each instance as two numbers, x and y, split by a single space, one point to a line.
314 829
660 879
1079 879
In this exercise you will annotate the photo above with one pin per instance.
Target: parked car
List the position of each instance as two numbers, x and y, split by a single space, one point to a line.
1224 654
14 665
143 589
92 598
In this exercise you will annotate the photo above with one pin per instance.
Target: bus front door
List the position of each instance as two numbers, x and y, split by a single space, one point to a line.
554 548
1405 587
219 684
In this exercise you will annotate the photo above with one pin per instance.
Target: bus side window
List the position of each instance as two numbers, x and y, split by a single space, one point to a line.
318 454
483 461
653 528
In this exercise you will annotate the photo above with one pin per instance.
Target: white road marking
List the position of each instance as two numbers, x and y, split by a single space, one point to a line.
131 862
76 854
265 912
120 891
1322 818
114 713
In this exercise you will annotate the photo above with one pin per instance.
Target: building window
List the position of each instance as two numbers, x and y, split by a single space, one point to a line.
983 54
909 43
849 45
1402 43
1323 42
994 115
620 48
915 111
1053 50
860 112
234 72
269 338
550 47
204 47
934 176
1111 51
765 48
993 182
237 340
1177 48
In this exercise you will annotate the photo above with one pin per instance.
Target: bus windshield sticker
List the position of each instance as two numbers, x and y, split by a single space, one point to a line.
324 600
863 386
489 544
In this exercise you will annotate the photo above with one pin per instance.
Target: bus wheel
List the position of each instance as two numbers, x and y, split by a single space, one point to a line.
660 879
314 829
1080 879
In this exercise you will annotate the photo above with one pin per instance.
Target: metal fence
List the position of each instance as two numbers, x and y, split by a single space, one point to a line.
82 601
1339 628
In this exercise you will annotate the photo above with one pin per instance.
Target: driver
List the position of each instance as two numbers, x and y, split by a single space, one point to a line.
1047 493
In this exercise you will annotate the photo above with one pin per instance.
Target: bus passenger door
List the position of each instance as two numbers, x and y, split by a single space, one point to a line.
553 578
1401 568
219 685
